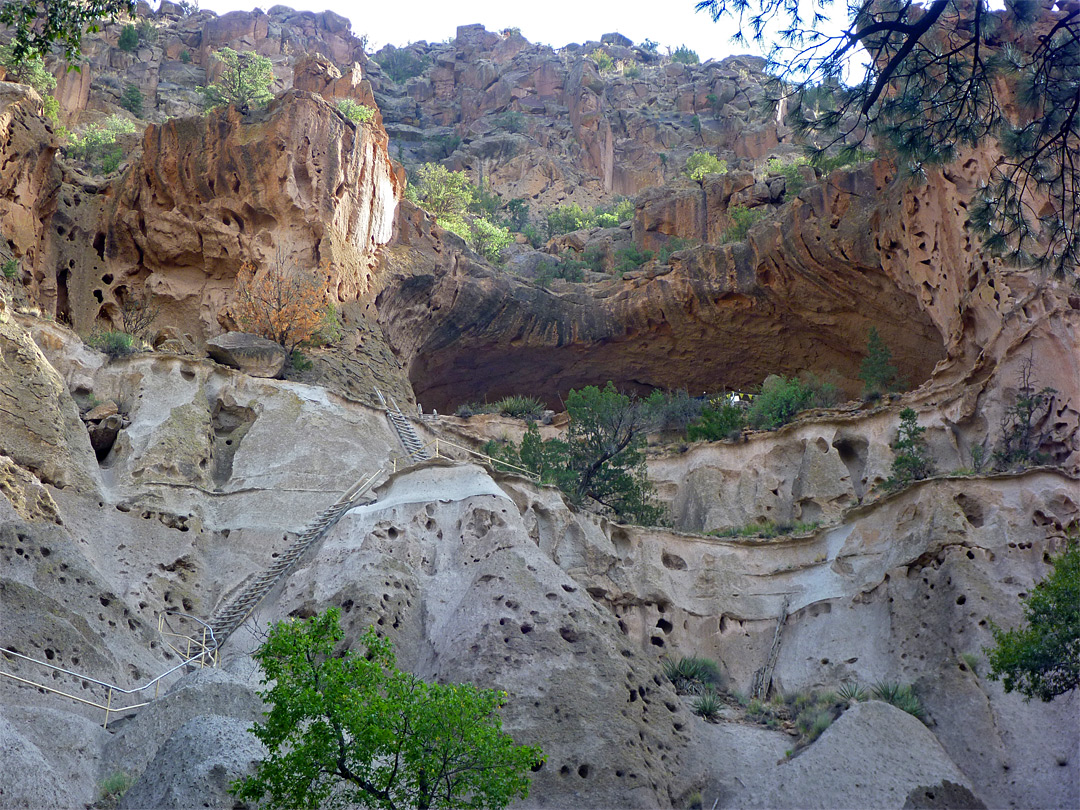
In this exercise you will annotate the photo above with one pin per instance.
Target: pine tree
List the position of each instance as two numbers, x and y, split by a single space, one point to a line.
877 372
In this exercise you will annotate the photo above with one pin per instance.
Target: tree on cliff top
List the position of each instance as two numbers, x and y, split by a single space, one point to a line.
37 25
347 730
932 82
244 81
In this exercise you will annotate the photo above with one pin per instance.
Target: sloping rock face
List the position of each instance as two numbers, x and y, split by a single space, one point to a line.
298 185
548 127
175 57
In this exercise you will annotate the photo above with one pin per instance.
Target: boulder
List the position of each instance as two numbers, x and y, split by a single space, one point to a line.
196 765
249 353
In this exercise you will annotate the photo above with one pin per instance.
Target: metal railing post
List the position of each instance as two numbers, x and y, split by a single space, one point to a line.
108 705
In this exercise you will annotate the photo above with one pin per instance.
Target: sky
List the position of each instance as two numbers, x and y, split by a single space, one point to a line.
552 22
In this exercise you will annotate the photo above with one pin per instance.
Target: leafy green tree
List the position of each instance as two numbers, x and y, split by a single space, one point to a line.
606 452
701 164
354 111
715 423
245 80
602 458
488 239
441 192
779 401
36 25
400 64
742 219
930 83
912 461
1042 659
877 372
352 729
96 143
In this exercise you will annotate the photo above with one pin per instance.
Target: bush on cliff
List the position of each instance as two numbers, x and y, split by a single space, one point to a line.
1042 658
347 729
244 82
602 459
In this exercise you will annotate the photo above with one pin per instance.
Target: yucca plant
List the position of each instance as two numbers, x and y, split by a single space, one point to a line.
692 675
519 406
851 692
707 706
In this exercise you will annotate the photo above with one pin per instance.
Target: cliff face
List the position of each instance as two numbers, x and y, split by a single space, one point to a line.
488 578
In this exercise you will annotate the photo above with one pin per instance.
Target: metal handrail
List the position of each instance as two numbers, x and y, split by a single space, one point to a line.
436 443
112 688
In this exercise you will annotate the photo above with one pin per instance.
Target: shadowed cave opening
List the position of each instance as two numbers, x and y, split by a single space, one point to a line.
472 369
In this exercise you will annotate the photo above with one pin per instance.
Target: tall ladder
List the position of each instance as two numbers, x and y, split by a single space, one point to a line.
230 617
763 677
414 447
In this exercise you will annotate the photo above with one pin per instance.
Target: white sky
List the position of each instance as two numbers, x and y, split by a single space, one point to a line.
551 22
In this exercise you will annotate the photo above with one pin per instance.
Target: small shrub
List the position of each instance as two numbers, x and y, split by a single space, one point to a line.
532 233
912 461
487 238
132 100
971 661
649 45
813 724
902 696
399 64
726 422
96 143
672 410
510 121
354 111
113 787
742 219
114 344
519 406
631 70
10 269
603 60
701 164
778 403
685 56
1020 433
630 258
185 57
673 245
299 361
707 706
790 169
330 330
129 39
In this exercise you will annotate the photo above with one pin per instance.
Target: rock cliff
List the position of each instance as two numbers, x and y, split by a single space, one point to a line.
184 479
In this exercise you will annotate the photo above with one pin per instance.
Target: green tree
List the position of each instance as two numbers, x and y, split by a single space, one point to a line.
877 372
722 421
355 111
441 192
1042 659
912 461
685 56
245 80
930 83
488 239
132 100
779 401
129 39
1024 424
352 729
606 452
36 25
701 164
